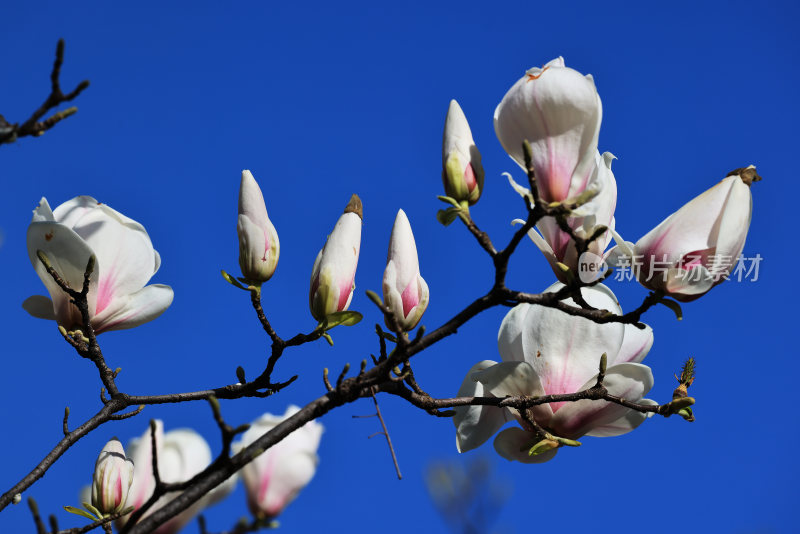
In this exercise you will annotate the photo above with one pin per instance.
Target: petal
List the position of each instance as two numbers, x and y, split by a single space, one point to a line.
565 350
128 311
631 381
624 424
513 444
733 227
476 424
123 249
693 227
635 345
515 379
509 338
71 211
40 307
68 254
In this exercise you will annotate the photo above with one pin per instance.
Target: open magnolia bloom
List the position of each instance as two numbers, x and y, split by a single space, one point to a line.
546 352
182 453
404 290
558 111
558 247
696 247
274 478
125 261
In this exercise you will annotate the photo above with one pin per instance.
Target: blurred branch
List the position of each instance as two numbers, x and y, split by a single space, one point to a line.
35 127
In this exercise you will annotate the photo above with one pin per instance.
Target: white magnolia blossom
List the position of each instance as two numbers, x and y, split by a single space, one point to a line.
113 475
404 290
125 260
545 351
462 172
182 453
334 272
558 247
558 111
259 247
275 477
693 249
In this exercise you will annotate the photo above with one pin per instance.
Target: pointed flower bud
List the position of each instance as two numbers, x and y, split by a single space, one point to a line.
404 290
333 276
558 111
463 172
696 247
113 475
259 247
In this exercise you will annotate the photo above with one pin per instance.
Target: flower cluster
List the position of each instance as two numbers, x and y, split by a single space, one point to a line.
549 123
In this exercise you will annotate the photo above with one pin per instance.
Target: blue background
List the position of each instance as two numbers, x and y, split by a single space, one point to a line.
321 100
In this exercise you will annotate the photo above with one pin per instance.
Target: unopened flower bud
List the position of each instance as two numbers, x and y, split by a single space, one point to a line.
463 172
259 247
333 276
113 475
404 290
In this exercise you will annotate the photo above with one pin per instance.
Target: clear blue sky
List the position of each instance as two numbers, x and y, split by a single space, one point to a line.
324 99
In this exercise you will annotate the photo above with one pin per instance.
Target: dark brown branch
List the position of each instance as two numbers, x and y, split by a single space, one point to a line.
33 126
105 522
388 438
37 518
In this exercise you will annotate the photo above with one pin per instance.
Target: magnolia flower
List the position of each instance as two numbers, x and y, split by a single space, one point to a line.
462 172
545 352
696 247
182 453
558 247
404 290
113 475
558 111
259 247
333 276
276 476
125 260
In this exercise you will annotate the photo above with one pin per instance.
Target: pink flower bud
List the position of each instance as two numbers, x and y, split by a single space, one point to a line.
334 272
125 260
275 477
113 475
696 247
558 111
404 290
259 247
462 172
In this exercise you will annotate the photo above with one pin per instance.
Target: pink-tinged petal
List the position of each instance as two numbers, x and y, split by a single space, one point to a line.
128 311
40 307
690 228
462 173
476 424
631 381
635 345
514 443
123 251
275 477
515 379
68 254
686 285
559 112
624 424
565 350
